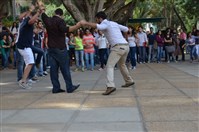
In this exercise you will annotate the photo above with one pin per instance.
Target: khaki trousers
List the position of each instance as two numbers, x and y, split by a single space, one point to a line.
118 56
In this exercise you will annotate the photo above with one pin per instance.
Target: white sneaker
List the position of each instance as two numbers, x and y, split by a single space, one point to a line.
30 81
133 68
24 85
45 73
101 69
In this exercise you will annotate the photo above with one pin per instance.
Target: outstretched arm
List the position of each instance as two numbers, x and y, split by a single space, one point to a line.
75 27
90 24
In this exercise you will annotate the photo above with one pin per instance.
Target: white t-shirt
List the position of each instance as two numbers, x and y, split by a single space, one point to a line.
112 31
131 40
102 42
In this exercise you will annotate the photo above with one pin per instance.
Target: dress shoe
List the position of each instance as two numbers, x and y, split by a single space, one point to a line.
74 88
59 91
128 84
109 90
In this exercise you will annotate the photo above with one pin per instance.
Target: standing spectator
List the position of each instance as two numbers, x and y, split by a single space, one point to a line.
175 40
151 37
191 43
79 50
89 51
4 51
119 50
160 43
96 56
132 39
71 48
38 49
56 28
196 47
169 47
14 28
103 45
142 45
182 38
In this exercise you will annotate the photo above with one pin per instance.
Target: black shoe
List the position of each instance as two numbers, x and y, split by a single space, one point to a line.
59 91
74 88
109 90
128 84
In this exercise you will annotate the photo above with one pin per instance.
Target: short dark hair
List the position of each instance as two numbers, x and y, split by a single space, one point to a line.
101 14
59 11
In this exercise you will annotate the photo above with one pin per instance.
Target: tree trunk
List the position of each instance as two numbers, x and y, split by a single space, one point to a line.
4 8
116 10
181 21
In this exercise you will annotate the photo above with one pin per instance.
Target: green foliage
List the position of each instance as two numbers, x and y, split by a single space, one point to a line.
50 8
7 21
187 9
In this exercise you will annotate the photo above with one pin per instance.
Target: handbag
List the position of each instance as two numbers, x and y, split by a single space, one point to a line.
170 49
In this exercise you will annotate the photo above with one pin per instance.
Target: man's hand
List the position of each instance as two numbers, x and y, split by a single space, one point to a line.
31 8
83 22
41 6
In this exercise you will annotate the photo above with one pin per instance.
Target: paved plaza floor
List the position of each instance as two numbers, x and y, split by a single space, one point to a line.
165 98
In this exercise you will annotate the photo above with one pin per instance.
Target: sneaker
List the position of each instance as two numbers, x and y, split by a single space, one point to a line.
31 81
101 69
24 85
168 61
45 73
133 68
35 78
82 69
76 70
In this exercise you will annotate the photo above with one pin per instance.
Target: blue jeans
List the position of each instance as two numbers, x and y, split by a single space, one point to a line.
159 56
103 55
79 56
142 54
89 57
39 52
191 51
59 59
132 56
151 56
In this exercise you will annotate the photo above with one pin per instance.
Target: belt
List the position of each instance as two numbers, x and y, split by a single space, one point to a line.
119 45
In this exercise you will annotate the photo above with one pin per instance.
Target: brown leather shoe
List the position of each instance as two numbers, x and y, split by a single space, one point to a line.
109 90
128 84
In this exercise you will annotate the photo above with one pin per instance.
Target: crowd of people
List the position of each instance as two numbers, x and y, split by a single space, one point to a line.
41 47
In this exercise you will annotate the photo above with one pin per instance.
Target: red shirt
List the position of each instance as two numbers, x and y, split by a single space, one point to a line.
88 42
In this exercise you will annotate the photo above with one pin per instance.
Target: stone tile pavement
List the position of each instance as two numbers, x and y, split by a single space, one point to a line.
165 98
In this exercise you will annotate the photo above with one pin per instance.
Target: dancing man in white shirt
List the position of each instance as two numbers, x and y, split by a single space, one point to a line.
119 49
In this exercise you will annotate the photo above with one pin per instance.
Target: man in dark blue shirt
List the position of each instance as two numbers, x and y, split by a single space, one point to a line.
151 39
24 42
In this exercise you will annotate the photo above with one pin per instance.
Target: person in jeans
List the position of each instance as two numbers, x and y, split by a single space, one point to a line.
151 37
119 50
132 39
103 45
89 50
59 59
182 38
79 50
143 40
160 43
